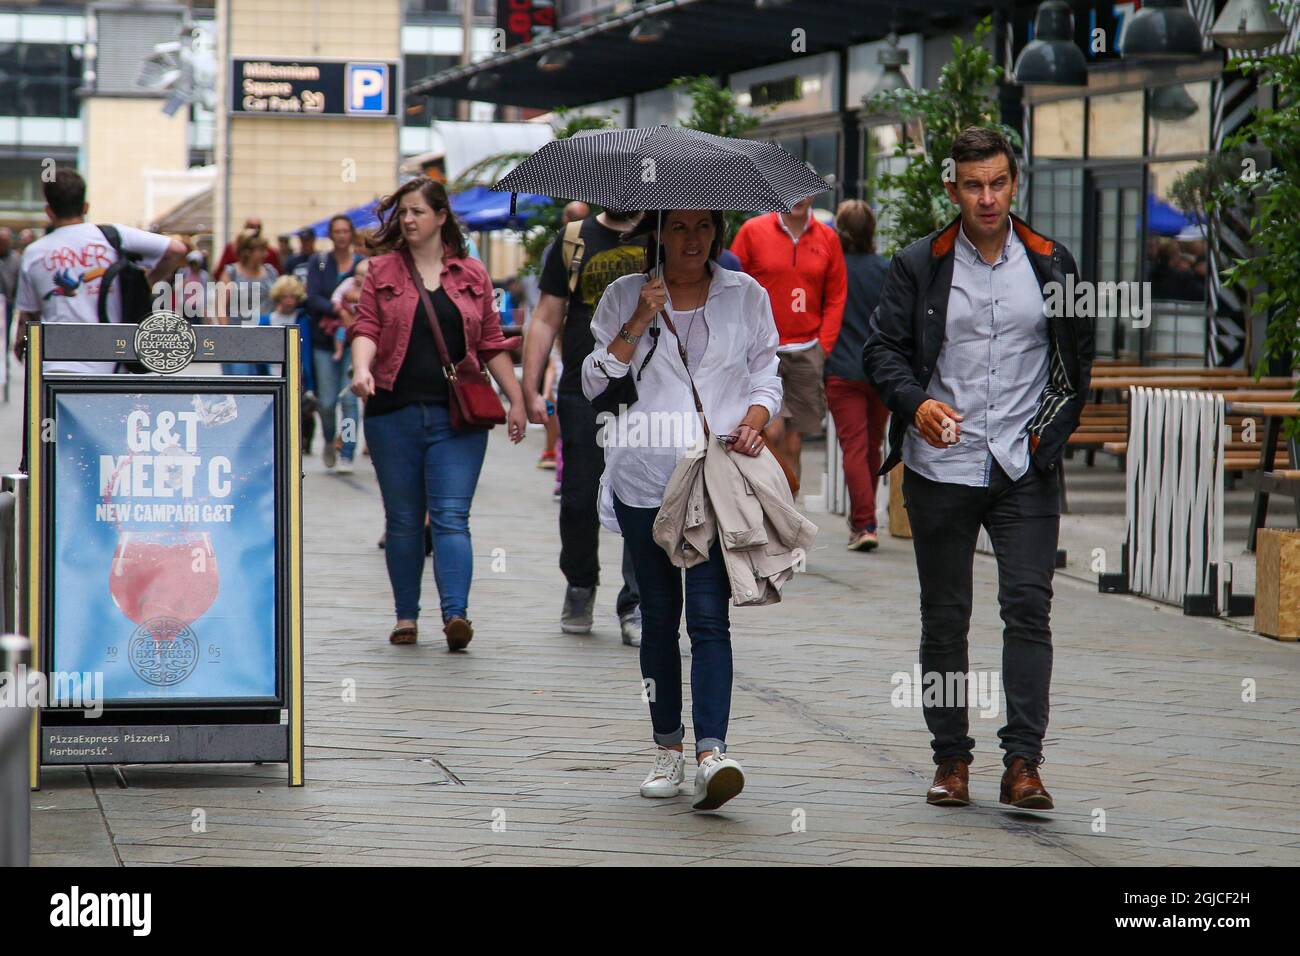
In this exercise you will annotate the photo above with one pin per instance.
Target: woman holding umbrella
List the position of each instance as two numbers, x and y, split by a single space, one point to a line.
720 324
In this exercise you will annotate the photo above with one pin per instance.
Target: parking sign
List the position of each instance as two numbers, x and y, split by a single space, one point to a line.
366 88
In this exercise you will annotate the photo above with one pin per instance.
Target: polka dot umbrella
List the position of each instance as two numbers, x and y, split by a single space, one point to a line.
666 167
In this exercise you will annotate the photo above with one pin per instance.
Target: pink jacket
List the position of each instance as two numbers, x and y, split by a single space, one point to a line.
389 300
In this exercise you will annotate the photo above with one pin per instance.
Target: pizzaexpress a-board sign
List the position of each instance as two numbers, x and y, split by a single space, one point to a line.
164 557
164 545
267 86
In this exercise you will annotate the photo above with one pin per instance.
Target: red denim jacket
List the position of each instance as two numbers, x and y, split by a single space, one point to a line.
389 300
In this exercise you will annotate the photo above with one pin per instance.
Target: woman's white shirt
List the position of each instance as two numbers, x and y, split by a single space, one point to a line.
738 369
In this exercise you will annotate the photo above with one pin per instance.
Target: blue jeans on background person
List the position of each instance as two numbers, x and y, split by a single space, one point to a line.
245 368
333 390
350 408
424 466
706 600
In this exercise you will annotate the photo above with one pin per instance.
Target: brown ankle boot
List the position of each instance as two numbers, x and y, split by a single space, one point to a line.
1022 787
951 786
459 633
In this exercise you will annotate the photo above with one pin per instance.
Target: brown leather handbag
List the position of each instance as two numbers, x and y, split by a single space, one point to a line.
472 400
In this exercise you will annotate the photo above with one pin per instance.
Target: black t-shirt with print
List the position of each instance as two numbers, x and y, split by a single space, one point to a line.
605 257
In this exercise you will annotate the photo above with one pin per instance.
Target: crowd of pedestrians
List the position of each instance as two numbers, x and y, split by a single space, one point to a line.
650 313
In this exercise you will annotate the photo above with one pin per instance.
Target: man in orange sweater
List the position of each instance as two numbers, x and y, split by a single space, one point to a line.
801 265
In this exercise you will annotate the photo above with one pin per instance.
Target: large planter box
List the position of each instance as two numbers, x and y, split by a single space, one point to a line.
1277 583
899 526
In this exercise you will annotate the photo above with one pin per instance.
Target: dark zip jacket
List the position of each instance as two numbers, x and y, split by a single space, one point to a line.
907 333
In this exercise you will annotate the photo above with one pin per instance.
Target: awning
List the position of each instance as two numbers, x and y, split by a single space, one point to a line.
482 210
192 216
704 36
479 210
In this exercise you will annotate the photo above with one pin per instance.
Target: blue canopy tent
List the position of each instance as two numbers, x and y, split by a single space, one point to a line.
1163 219
363 217
481 210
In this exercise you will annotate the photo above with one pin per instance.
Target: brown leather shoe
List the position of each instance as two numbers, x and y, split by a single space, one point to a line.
459 633
403 634
951 784
1022 787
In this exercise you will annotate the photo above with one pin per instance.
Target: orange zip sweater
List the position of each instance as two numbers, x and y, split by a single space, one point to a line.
806 280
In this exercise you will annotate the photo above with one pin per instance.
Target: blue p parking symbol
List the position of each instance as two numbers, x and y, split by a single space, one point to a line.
367 88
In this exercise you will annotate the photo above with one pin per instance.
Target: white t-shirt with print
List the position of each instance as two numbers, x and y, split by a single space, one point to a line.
60 274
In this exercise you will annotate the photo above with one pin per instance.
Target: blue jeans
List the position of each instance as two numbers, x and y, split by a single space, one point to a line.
333 381
707 597
423 467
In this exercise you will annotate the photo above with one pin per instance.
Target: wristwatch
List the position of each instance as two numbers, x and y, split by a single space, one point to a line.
628 337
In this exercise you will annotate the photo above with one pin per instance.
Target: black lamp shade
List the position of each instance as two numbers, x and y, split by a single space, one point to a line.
1052 56
1163 29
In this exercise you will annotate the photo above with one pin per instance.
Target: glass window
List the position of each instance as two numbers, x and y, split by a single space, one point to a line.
823 153
1056 206
1178 119
1115 125
1058 131
422 110
1176 251
38 79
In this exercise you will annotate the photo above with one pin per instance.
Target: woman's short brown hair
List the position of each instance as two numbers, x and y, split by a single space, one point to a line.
248 243
855 224
389 238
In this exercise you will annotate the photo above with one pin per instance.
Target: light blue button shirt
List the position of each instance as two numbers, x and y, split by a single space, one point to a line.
992 367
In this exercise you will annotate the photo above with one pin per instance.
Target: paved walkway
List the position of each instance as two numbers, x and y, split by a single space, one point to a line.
528 748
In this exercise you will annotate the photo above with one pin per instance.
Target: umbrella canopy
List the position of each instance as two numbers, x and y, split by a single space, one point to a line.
666 167
481 210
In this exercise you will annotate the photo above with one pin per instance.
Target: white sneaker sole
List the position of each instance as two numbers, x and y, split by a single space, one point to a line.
725 784
661 793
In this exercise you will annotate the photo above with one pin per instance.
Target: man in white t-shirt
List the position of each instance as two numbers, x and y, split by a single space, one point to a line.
60 274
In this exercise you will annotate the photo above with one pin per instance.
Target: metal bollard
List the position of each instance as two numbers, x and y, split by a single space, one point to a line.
15 728
13 562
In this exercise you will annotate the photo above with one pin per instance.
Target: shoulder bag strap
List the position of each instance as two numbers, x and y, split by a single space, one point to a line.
444 356
681 350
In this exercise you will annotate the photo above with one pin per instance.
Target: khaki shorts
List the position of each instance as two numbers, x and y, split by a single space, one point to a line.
803 404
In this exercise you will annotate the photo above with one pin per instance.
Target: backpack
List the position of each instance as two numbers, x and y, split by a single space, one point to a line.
571 249
132 281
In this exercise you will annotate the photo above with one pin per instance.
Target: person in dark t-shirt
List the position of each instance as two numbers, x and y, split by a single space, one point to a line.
578 267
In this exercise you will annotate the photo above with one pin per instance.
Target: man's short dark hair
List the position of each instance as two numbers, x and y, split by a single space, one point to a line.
975 143
66 193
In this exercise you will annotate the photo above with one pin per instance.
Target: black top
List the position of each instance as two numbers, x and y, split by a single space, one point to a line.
866 272
421 379
605 257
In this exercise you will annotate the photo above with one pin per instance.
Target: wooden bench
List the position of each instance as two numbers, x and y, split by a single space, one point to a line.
1269 478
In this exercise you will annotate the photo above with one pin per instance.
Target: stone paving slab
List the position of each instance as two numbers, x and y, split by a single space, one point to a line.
545 733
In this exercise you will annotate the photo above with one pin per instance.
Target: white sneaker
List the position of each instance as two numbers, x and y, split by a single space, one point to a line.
344 466
718 778
667 776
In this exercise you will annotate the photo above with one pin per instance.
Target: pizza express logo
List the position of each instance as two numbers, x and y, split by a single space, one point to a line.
165 342
163 651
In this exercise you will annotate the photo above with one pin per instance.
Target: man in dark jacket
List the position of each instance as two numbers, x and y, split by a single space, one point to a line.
985 387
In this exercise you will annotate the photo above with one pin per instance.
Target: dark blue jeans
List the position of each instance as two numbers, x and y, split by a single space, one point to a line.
423 465
1023 519
707 594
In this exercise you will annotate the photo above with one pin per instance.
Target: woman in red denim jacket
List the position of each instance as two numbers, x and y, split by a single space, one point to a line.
423 464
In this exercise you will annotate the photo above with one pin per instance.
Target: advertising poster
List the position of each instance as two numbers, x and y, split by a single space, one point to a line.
164 537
